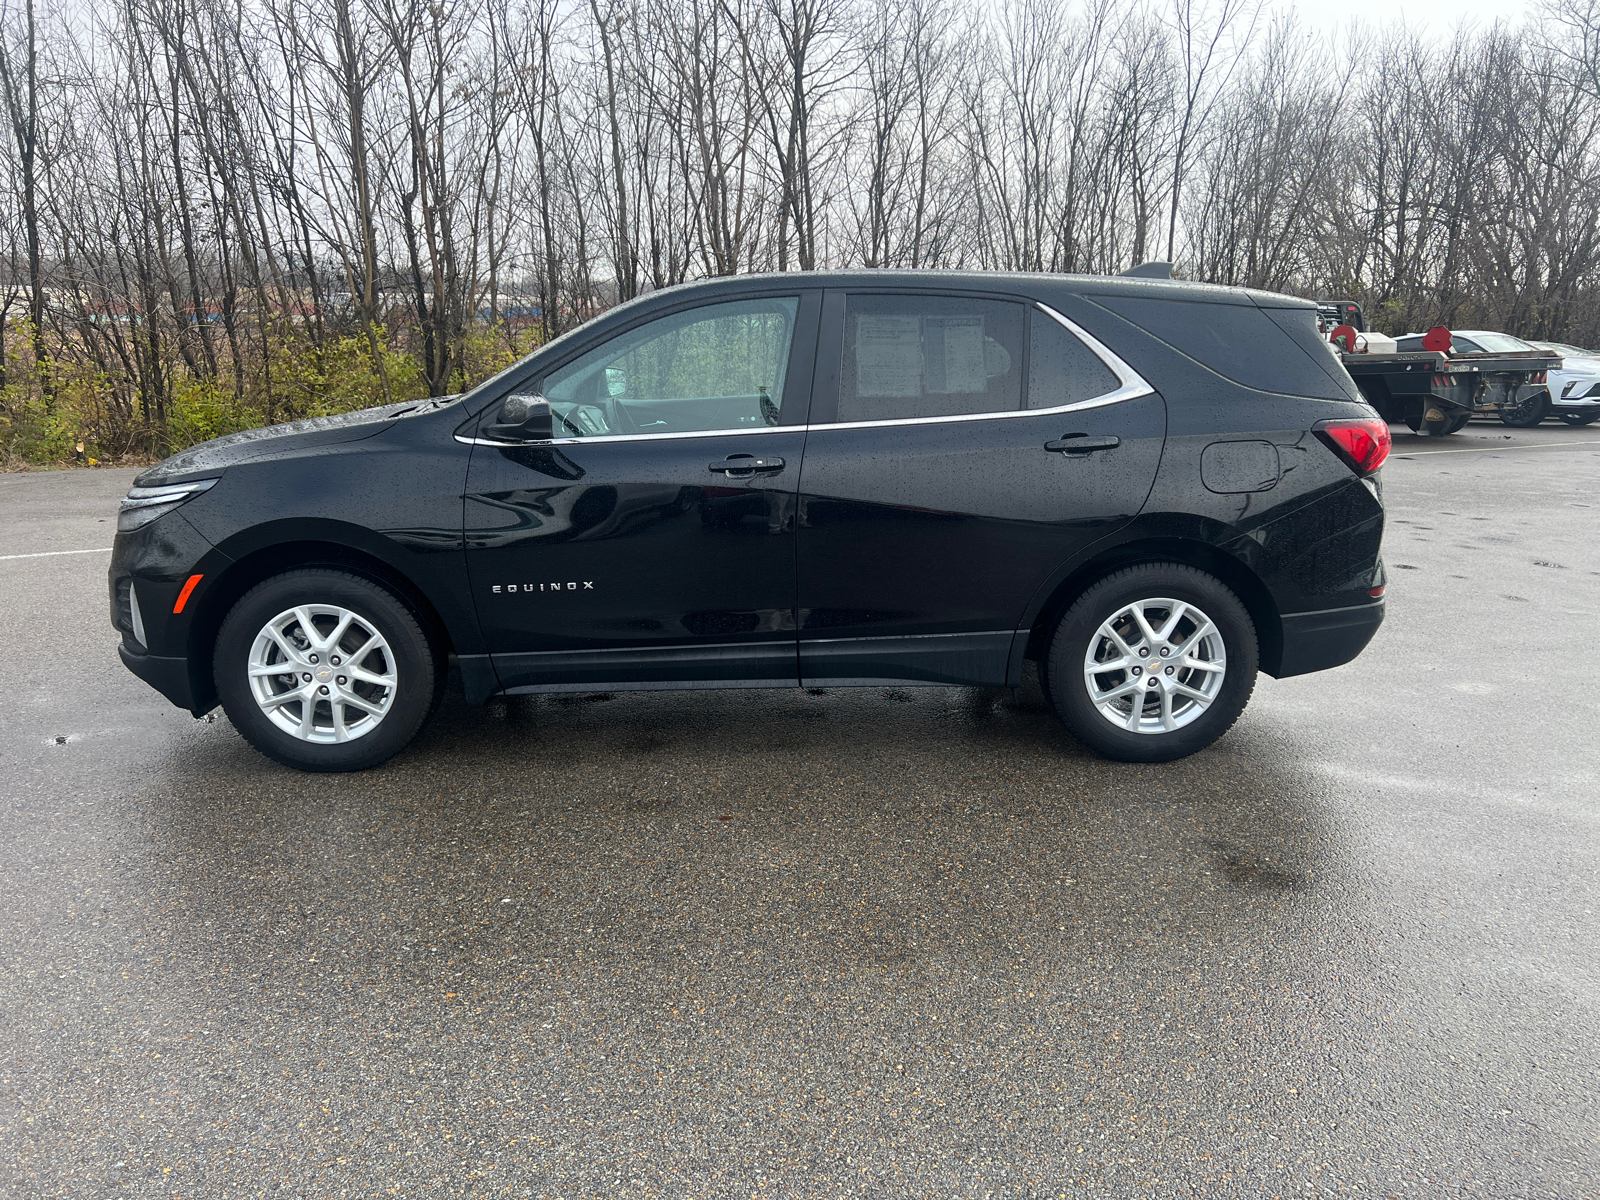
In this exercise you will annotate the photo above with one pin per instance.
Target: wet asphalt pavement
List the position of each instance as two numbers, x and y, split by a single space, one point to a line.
872 943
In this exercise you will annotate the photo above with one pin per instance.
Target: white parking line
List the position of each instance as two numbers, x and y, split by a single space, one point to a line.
1488 449
53 553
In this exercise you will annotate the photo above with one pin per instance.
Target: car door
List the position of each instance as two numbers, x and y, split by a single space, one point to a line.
963 448
651 541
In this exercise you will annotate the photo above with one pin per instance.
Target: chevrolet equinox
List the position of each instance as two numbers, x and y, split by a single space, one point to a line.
1150 489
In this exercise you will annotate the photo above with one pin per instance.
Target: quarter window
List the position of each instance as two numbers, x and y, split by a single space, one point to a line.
717 367
930 356
1061 369
1241 342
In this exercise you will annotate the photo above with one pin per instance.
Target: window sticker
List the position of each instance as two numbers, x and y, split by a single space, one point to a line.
888 356
955 347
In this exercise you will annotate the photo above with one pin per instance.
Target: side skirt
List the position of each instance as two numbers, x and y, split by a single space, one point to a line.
935 659
985 659
635 668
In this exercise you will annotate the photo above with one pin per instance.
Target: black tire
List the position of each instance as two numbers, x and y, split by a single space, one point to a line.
1528 413
1452 424
405 654
1579 418
1062 672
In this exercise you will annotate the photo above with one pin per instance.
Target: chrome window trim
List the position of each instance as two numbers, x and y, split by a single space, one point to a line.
1130 386
753 431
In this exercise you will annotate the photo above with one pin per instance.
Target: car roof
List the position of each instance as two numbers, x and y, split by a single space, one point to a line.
1023 281
1470 333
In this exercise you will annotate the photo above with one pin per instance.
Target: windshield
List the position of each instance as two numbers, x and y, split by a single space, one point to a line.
1499 343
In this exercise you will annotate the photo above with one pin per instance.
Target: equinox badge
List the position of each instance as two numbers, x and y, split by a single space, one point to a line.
586 585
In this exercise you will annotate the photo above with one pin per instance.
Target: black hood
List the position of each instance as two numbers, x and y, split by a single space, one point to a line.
208 458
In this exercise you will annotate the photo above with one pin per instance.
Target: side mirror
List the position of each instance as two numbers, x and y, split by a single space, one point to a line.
523 419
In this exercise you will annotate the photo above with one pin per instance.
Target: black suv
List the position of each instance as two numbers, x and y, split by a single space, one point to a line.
1151 489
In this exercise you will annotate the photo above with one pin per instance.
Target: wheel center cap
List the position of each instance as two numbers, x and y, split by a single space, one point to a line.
325 674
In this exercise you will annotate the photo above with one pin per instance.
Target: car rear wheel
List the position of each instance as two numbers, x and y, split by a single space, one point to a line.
1580 418
1453 423
1152 663
1528 412
325 671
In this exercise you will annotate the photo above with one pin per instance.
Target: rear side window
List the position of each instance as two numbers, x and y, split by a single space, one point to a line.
1061 369
1274 350
930 356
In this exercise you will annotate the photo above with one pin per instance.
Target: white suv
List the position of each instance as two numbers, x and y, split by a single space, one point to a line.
1575 388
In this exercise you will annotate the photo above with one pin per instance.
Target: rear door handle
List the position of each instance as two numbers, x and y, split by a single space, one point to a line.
1082 444
746 462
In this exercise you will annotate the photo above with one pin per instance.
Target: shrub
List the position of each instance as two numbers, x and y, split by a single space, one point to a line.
87 415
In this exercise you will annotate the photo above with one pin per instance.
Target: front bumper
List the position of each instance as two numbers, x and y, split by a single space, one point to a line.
1578 394
1315 641
158 560
169 676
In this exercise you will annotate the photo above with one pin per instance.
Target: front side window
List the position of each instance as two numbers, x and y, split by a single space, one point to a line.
930 356
717 367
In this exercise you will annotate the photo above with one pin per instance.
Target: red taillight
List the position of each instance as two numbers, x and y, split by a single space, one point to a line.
1363 444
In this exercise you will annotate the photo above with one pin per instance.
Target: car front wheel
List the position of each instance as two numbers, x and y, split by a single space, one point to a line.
1152 663
324 671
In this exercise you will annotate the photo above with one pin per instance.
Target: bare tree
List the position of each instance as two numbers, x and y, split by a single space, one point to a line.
222 212
1208 45
21 83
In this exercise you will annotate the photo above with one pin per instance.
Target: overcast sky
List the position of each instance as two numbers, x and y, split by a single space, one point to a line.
1436 16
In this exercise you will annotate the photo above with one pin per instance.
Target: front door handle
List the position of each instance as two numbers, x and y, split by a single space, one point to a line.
746 462
1078 443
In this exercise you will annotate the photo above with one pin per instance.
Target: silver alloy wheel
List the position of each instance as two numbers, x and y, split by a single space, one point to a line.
1155 665
322 673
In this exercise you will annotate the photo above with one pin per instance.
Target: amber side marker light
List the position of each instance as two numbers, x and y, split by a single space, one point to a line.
183 596
1363 444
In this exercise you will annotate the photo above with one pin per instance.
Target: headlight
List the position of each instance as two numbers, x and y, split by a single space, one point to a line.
143 505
